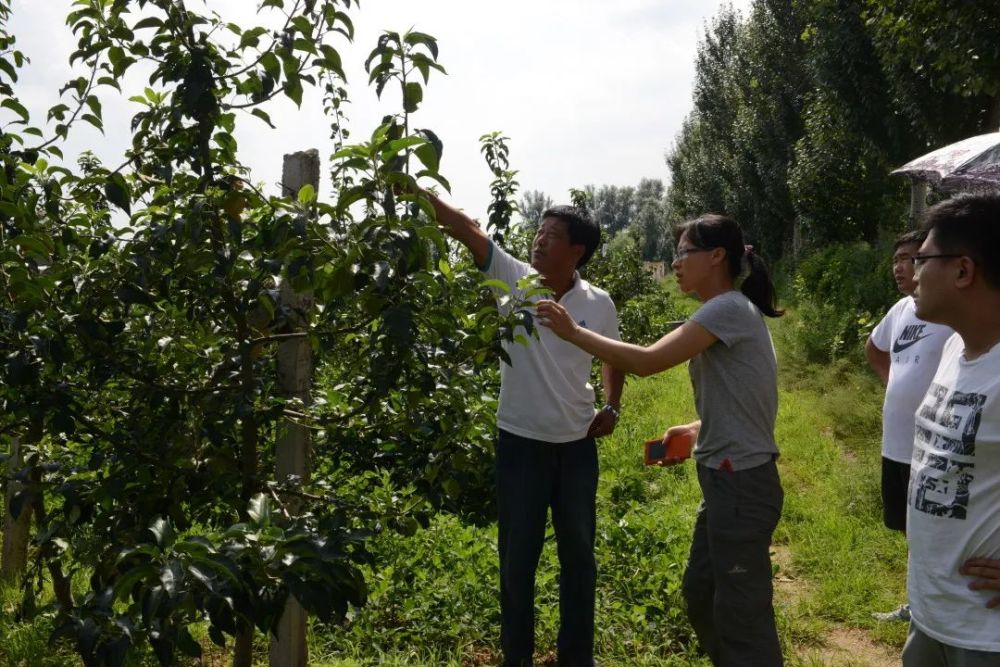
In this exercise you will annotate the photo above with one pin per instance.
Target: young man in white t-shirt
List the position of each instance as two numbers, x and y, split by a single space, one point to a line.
953 523
546 452
904 351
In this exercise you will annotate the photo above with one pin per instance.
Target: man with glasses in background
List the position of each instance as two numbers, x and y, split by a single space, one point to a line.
953 523
904 351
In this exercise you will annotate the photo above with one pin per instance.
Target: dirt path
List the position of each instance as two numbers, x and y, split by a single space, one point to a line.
850 647
839 645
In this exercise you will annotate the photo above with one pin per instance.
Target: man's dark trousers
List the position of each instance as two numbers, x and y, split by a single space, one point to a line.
532 476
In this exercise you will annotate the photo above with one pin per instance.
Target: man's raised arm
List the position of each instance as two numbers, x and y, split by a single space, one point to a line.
462 228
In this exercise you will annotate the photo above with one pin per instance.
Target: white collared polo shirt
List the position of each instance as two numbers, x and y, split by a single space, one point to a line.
545 393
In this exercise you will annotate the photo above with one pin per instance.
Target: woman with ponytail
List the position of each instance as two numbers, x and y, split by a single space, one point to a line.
727 582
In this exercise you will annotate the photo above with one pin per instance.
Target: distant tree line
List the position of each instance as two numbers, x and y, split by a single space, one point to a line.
803 107
801 110
636 215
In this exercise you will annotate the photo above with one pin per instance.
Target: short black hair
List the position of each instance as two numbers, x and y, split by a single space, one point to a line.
917 236
581 228
969 224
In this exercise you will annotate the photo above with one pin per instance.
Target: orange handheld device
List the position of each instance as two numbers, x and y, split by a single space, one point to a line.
676 447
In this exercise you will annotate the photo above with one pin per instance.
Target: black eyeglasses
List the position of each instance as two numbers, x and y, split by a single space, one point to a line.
918 260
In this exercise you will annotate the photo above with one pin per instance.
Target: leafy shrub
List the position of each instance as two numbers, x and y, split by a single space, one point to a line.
842 291
434 588
647 317
617 268
644 306
140 373
647 611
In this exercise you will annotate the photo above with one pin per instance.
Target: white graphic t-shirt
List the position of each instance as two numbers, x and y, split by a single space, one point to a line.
954 499
914 348
545 393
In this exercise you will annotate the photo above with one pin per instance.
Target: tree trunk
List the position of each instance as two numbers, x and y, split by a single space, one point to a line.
796 241
16 532
243 647
61 585
993 121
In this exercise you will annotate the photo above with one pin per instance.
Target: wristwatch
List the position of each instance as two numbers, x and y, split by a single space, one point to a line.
610 408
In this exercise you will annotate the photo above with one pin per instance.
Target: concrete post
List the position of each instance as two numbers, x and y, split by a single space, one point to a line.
289 648
918 202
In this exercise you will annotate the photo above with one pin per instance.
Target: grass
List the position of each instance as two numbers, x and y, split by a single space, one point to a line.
435 604
433 598
829 429
841 562
25 644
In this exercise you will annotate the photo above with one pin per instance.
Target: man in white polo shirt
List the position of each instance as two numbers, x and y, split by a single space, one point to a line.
546 453
953 523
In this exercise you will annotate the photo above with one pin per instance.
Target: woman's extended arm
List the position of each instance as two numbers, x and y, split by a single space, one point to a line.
676 347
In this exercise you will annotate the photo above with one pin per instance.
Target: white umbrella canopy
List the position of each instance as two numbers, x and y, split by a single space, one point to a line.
970 164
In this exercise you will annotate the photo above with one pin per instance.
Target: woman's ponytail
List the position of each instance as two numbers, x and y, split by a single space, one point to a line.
757 286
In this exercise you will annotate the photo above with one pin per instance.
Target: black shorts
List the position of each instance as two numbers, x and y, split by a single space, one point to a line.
895 480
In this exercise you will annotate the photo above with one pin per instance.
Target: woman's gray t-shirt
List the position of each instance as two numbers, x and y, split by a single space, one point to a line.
735 385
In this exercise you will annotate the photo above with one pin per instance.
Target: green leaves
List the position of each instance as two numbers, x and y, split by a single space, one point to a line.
260 510
497 285
397 57
39 246
272 66
144 355
413 95
307 194
163 532
430 153
948 46
330 59
504 187
117 190
414 38
15 106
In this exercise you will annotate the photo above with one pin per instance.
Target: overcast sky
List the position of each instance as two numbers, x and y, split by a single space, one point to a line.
588 91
